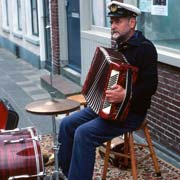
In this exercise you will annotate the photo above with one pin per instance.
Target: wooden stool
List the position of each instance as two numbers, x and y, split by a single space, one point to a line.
78 98
129 152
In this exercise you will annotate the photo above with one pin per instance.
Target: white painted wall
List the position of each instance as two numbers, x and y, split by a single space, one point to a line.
90 38
23 38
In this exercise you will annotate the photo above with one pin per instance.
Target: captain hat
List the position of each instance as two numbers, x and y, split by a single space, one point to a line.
118 9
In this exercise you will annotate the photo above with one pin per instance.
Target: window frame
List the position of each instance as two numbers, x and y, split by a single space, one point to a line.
19 15
89 31
7 14
104 17
34 2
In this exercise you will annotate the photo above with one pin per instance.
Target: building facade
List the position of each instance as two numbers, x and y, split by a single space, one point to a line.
78 27
158 24
24 30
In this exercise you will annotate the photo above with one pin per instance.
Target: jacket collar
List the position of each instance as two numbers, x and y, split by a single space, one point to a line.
135 40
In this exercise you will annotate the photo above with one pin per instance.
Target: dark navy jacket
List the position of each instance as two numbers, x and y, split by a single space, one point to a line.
141 53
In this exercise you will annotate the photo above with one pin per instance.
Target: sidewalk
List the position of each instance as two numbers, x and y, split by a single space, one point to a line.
20 84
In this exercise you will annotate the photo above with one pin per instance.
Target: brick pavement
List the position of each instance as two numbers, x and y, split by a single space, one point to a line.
20 84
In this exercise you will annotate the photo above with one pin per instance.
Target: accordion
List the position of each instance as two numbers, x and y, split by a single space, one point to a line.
108 68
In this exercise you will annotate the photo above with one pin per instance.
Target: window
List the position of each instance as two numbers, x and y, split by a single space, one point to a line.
99 13
19 14
34 17
162 27
5 13
159 22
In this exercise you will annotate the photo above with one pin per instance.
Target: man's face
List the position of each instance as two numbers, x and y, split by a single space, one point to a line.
121 28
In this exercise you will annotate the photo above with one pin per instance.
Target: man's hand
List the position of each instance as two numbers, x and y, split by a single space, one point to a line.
116 94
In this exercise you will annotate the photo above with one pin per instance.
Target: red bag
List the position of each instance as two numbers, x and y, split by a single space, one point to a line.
3 115
8 116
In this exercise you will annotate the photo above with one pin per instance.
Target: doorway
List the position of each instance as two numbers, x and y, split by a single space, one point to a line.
47 35
73 33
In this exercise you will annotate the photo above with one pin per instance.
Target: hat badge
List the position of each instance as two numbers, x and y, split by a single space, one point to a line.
113 8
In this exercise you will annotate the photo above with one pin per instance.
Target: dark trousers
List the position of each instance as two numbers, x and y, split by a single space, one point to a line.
79 136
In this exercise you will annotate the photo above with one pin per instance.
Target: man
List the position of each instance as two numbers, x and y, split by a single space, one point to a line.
83 131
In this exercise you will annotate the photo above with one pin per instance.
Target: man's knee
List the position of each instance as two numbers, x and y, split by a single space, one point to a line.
65 128
65 123
82 134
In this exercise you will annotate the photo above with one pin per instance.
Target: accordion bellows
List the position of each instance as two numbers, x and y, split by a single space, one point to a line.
109 67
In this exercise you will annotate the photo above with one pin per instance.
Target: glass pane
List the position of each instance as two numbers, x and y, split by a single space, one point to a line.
19 9
98 12
33 4
107 18
162 29
35 29
35 22
7 14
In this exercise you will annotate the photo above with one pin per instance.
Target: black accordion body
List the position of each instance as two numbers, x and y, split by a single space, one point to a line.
107 69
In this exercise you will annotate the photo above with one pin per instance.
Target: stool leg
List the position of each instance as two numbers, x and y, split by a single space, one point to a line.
132 155
126 149
106 158
153 155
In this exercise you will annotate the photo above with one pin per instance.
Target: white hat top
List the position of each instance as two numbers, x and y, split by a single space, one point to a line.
128 7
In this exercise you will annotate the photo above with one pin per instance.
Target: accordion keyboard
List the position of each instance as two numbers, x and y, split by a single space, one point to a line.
114 75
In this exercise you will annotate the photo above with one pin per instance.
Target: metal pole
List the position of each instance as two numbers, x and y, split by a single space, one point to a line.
56 170
56 148
52 93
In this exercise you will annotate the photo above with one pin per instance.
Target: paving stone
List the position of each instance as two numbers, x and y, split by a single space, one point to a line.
20 85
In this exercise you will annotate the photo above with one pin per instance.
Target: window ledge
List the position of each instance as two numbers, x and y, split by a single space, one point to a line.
6 29
96 35
101 29
33 40
18 34
168 55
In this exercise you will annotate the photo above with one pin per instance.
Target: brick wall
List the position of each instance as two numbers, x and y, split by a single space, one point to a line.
164 114
55 36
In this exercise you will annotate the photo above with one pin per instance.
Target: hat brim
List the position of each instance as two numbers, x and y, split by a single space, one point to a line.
113 14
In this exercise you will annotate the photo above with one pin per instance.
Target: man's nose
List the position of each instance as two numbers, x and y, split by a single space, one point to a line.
112 25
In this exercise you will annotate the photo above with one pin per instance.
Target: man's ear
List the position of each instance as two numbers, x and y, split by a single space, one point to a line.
132 22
